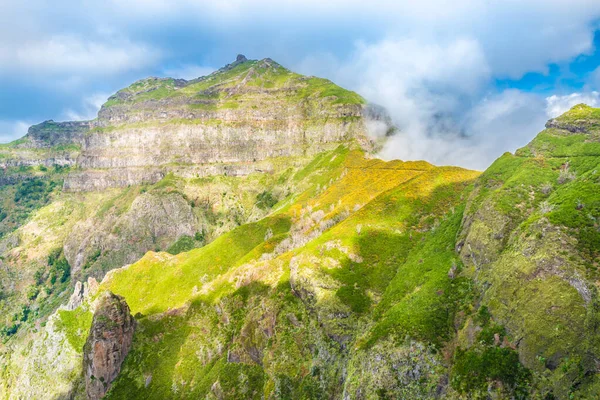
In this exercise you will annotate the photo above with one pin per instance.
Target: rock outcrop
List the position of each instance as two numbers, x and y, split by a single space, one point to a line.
246 112
107 345
152 220
52 134
48 143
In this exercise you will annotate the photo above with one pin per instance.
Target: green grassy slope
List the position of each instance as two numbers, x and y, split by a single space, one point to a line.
216 89
332 276
531 241
278 310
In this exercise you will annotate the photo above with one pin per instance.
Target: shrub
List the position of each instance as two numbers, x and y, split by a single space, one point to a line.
474 369
483 316
39 276
265 200
22 315
60 270
92 258
565 175
32 292
183 244
200 236
546 188
8 331
355 298
32 190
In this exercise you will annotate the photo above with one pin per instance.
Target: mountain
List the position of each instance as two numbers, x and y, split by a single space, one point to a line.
233 237
246 112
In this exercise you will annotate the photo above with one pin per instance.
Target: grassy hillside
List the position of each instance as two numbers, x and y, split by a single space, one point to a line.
531 241
222 87
282 307
330 275
386 280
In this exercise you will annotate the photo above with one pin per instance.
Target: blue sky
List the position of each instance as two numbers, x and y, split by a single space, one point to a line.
465 80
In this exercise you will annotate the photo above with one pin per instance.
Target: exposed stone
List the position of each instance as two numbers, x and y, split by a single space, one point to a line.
578 126
50 134
107 345
153 220
81 293
77 297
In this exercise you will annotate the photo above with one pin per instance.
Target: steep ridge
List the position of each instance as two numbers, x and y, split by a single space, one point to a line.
107 345
531 241
324 298
288 306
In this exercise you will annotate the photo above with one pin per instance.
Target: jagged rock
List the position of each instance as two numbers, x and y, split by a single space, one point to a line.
581 126
50 133
82 292
579 119
77 297
107 345
154 220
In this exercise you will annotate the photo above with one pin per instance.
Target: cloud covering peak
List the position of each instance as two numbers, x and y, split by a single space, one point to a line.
465 81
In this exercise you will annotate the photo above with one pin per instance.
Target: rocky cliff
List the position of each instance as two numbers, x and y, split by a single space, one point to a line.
245 112
107 345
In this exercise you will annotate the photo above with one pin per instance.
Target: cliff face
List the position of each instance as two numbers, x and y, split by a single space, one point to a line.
153 220
47 144
107 345
245 112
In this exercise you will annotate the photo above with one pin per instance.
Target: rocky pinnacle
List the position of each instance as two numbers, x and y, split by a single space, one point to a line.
107 345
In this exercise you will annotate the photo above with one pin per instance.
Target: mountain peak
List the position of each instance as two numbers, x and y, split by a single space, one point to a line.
581 118
241 58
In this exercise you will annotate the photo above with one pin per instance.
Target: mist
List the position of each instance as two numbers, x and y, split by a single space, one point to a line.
441 98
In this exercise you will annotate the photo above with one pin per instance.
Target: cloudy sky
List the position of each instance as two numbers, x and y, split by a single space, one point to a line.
465 80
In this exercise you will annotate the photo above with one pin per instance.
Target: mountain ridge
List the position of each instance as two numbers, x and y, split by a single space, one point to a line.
245 112
319 272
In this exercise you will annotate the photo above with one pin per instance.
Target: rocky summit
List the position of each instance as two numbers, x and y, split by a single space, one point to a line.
235 236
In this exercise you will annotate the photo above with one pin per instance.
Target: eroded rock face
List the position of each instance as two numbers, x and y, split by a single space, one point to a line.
153 220
107 345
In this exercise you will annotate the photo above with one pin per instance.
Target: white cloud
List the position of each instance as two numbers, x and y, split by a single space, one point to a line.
439 96
432 63
12 130
188 71
517 36
557 105
68 54
418 79
424 86
503 122
88 109
498 123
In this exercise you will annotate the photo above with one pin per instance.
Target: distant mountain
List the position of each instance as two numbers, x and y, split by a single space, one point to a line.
233 237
